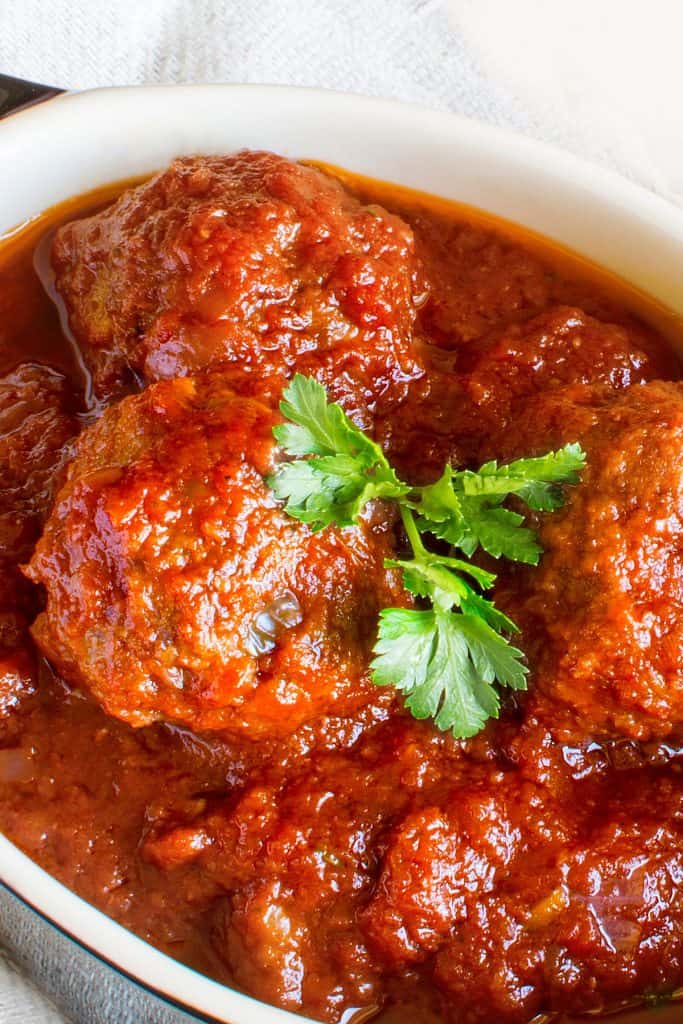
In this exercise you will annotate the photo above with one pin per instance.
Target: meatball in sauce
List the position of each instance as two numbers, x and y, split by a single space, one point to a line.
602 614
179 590
36 427
251 260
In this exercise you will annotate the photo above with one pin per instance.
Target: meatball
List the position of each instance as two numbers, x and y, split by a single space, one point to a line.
296 854
561 346
35 429
589 924
436 858
602 613
177 587
467 405
249 259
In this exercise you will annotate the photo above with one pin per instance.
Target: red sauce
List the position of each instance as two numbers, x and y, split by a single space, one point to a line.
272 819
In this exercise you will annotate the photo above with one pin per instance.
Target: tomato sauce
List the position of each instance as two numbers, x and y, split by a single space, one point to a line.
343 860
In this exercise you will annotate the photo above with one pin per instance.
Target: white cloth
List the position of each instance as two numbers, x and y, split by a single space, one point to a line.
20 1000
600 77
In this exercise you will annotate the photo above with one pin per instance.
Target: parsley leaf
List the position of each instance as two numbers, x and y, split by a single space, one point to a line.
464 508
346 469
446 666
535 481
448 659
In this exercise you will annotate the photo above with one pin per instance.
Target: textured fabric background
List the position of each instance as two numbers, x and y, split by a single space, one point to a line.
600 77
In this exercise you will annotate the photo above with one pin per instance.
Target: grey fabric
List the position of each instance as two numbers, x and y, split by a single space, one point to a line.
76 987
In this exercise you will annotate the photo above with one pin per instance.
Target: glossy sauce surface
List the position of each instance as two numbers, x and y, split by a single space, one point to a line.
356 859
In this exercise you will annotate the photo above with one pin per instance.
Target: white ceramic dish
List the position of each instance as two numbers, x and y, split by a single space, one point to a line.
76 142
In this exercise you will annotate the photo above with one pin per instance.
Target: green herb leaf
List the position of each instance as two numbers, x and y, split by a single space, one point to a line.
535 481
346 469
446 665
464 507
499 531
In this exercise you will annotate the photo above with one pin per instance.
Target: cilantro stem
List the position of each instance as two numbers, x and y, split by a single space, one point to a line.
412 533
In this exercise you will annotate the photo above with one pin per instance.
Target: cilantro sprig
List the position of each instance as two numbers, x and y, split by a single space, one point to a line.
450 655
